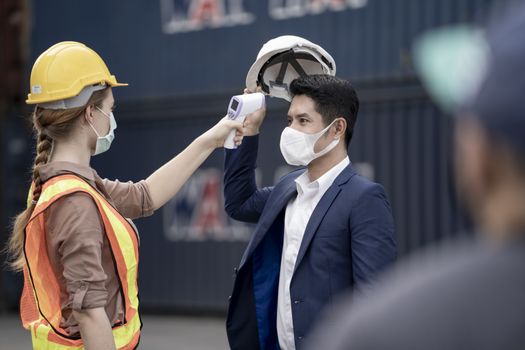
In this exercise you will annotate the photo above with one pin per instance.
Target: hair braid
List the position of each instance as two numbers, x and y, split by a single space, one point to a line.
49 125
43 151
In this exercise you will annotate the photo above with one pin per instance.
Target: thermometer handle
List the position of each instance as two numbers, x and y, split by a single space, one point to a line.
228 143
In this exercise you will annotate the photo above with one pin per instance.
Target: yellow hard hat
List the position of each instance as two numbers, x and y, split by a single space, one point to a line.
64 70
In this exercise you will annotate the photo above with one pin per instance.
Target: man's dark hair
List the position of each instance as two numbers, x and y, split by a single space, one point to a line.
333 97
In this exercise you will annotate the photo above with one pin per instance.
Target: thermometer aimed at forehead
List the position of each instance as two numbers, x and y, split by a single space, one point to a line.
240 106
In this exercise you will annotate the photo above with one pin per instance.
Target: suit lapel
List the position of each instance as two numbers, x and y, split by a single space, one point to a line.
321 209
283 194
316 218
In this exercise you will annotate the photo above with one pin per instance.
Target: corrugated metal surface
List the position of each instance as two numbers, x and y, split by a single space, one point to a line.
181 83
402 143
192 272
408 143
15 164
368 43
13 46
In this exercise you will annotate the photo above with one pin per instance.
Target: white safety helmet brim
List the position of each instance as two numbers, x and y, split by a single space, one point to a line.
311 58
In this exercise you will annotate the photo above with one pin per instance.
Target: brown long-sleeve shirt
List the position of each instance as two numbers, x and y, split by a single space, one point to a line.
78 247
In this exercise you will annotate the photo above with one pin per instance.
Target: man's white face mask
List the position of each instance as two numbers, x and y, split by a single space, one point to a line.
297 147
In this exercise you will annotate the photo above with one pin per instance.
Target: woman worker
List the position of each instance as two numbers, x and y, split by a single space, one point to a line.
78 252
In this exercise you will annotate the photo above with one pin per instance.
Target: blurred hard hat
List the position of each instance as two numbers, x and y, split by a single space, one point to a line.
283 59
441 57
478 73
66 74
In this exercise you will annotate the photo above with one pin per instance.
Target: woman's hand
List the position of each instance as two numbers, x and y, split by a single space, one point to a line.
95 329
253 121
216 136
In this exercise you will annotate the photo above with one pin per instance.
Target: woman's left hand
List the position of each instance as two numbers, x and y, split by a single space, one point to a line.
216 136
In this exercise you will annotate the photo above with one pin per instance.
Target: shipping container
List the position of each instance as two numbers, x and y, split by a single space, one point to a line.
188 254
169 48
184 61
13 53
17 152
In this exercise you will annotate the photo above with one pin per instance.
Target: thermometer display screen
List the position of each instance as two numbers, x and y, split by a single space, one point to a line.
234 105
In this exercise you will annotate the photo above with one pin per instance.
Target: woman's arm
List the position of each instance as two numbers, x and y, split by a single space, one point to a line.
95 329
164 183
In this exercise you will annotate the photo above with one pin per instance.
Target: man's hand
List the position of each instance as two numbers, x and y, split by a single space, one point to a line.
253 121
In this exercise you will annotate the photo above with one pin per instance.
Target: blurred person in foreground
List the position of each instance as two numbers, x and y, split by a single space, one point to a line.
468 294
75 243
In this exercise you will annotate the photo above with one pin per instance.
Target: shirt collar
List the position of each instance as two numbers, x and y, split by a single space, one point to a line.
322 183
303 183
52 169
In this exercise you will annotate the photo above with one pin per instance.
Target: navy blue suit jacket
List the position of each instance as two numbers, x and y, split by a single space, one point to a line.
348 240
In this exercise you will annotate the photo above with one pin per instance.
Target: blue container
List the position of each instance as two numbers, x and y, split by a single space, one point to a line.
183 64
185 264
169 48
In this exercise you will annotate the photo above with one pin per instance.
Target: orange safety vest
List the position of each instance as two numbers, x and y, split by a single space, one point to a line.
40 307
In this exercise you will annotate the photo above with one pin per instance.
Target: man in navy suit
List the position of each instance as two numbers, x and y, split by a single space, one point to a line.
320 230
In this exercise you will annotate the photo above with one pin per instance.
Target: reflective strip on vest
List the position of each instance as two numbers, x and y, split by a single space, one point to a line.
40 307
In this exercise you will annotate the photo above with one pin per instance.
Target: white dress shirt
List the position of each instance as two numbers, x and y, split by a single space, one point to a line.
298 212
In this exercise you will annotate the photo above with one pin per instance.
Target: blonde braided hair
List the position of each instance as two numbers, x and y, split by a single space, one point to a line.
49 125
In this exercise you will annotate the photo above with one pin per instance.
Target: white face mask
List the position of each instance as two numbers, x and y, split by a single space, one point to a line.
104 142
297 147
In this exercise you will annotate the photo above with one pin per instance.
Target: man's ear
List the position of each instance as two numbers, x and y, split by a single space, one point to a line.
496 164
489 158
476 165
340 127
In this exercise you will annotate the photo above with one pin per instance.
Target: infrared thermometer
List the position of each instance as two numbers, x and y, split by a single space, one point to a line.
240 106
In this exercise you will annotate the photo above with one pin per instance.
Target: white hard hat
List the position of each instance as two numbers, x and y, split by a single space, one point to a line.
283 59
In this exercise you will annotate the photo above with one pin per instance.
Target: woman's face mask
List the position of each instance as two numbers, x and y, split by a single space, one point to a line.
104 142
297 147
